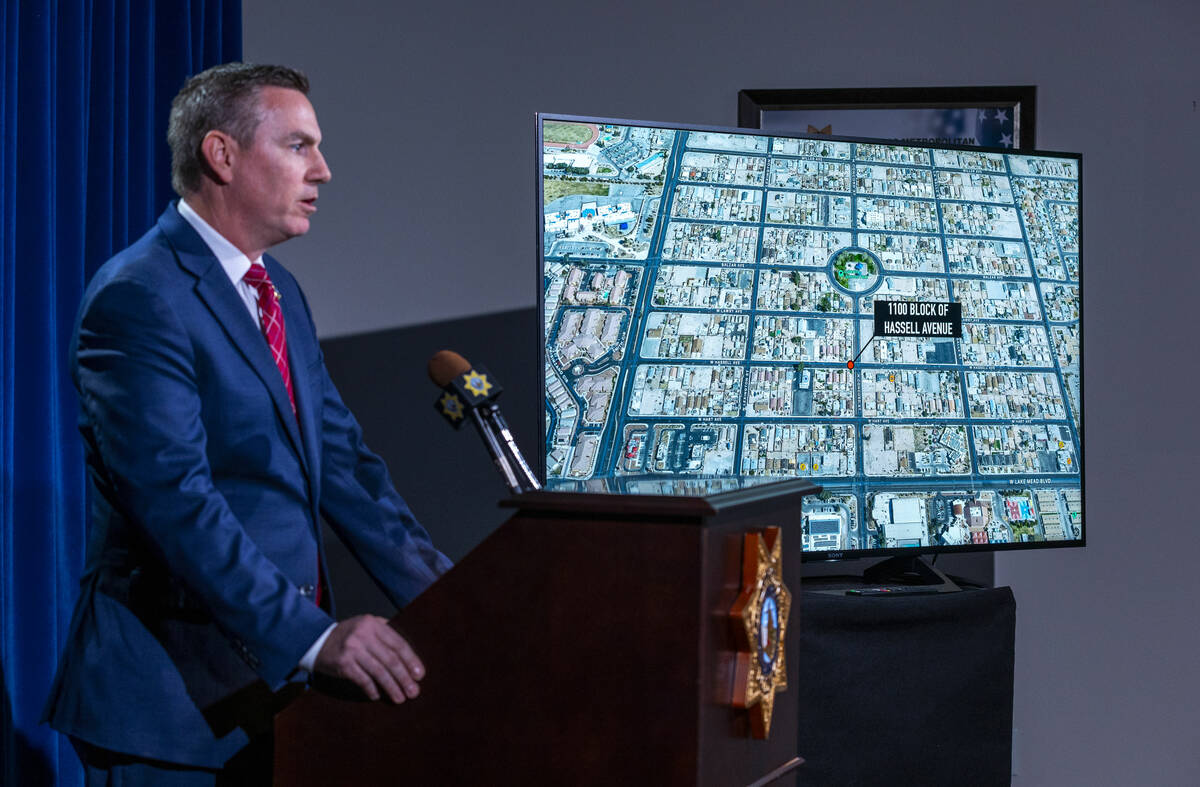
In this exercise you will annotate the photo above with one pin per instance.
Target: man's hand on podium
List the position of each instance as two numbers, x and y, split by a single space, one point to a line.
369 652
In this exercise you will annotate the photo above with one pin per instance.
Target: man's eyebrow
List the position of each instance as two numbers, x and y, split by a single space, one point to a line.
301 136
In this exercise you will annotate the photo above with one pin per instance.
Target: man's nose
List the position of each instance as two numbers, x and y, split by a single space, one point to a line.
320 172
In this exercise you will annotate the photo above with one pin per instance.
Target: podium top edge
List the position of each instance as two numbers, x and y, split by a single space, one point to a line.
682 506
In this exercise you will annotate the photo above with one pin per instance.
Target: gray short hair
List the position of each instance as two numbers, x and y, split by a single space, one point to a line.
222 98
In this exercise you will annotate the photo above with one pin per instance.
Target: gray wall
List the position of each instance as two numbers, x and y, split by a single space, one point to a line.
427 110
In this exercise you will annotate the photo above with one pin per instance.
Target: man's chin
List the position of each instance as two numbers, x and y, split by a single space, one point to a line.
295 228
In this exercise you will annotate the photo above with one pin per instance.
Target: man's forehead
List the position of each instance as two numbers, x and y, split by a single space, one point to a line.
287 112
283 99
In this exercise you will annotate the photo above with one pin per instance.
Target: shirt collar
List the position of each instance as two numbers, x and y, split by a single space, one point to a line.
233 261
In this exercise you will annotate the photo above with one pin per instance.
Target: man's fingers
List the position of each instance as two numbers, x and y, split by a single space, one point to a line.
366 650
397 668
398 645
361 679
385 678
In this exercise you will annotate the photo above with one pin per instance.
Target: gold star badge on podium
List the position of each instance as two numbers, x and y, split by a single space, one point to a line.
760 616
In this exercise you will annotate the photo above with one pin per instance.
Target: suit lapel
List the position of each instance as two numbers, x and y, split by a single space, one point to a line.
300 353
219 295
302 350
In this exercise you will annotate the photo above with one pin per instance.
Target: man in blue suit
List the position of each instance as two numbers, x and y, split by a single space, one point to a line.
215 442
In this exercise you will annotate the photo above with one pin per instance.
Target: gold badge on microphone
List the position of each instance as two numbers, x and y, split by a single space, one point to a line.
451 407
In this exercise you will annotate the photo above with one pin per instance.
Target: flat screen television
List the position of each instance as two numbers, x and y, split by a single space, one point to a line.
901 323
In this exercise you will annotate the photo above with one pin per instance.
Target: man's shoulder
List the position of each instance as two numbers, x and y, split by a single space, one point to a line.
151 261
143 279
147 258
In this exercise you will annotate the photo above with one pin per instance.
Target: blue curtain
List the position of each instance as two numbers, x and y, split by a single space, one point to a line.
85 89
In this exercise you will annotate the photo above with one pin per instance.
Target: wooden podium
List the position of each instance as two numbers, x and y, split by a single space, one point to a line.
586 641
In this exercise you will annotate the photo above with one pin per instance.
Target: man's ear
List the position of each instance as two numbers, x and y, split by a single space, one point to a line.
218 151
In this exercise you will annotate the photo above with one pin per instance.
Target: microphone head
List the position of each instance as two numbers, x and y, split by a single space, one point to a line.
444 366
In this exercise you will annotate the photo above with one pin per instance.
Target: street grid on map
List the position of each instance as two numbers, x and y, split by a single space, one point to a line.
705 293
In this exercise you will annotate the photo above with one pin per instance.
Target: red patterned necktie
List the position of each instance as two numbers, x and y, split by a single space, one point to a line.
271 321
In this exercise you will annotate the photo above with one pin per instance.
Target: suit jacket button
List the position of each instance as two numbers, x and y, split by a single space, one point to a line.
307 590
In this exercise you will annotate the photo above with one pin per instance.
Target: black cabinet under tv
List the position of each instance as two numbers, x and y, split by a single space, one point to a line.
906 690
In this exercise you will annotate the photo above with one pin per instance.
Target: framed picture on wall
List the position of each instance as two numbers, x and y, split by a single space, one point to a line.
994 117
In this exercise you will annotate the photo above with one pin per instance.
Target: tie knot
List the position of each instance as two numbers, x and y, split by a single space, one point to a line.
257 278
256 275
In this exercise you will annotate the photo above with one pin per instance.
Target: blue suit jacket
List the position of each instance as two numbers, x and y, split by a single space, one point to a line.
196 597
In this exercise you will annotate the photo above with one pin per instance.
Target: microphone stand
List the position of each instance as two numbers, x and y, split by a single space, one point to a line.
493 446
500 427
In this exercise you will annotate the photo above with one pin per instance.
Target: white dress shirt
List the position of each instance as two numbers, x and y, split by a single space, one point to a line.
236 264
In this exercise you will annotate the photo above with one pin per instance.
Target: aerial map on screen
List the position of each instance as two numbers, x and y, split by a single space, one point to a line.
729 305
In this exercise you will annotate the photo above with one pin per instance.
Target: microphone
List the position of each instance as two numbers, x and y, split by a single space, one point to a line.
472 390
